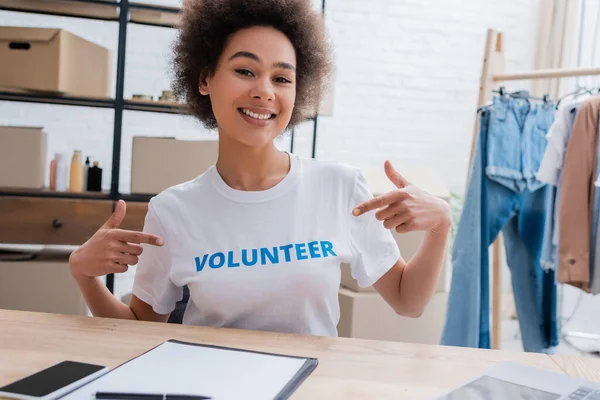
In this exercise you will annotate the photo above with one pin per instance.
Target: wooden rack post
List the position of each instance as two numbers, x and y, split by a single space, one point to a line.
491 74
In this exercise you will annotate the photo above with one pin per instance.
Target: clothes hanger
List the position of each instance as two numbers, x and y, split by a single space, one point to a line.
519 94
578 92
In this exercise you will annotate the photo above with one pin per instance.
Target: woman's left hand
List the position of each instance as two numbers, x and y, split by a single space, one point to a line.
407 208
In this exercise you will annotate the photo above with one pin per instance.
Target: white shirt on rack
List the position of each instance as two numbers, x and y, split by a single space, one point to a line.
558 138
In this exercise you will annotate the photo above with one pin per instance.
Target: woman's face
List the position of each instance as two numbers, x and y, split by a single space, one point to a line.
253 89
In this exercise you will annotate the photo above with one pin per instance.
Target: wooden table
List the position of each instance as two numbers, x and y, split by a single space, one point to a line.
348 368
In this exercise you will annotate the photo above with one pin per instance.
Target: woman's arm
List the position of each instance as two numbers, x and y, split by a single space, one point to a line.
102 303
408 286
111 250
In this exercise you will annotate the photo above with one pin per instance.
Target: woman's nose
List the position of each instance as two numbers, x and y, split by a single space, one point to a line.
263 90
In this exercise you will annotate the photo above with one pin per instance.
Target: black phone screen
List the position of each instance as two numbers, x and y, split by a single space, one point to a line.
51 379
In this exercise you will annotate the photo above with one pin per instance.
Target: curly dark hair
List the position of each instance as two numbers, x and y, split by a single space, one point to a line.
206 26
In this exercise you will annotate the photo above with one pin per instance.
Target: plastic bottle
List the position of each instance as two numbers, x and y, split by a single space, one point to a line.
95 178
61 172
86 167
76 173
53 173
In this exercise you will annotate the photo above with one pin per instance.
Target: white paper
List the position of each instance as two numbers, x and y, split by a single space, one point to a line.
177 368
516 381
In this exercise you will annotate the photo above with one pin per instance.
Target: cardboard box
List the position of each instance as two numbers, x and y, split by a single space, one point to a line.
159 163
408 243
22 157
368 316
43 284
53 60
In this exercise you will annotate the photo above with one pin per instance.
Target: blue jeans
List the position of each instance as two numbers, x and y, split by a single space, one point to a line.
549 250
491 206
516 142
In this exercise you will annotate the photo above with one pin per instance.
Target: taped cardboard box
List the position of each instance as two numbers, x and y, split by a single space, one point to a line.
368 316
22 157
40 282
53 60
159 163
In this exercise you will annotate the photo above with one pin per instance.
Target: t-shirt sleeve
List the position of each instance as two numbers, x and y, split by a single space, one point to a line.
152 283
373 248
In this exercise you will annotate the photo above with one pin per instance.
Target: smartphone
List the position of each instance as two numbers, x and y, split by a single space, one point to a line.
53 382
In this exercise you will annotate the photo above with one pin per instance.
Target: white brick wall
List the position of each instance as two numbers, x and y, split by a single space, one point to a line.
408 78
405 88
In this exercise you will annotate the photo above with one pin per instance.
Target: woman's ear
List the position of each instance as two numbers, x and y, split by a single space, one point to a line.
203 85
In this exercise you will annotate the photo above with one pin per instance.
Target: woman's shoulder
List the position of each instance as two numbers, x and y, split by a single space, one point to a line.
336 170
181 193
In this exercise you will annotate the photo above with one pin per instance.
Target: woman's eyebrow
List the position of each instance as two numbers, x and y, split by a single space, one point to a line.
254 57
246 54
284 65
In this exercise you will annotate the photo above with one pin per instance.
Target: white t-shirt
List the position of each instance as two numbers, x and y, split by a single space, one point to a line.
263 260
558 135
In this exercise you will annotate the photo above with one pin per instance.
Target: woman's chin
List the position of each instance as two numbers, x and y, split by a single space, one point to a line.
255 138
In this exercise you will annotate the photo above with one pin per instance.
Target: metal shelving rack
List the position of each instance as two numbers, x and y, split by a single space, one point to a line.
124 13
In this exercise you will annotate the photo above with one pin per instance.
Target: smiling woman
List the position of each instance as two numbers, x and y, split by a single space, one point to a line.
253 87
259 237
208 28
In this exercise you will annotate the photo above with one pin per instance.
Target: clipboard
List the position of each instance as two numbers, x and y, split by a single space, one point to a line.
220 372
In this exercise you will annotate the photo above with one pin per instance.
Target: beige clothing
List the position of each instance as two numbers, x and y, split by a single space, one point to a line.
577 198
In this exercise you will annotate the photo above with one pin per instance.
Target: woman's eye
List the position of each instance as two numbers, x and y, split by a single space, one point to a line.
282 80
244 72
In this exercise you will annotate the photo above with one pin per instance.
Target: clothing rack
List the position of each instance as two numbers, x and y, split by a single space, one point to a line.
492 73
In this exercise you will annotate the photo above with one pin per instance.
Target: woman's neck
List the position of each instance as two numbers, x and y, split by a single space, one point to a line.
251 168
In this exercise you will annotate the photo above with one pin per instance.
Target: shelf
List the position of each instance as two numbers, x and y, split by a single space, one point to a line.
91 9
136 197
47 193
31 97
146 14
23 192
154 106
107 10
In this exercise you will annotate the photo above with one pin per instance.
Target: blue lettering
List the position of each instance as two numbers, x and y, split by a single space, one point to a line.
286 251
313 248
327 247
264 254
301 251
270 255
245 257
200 265
230 263
212 263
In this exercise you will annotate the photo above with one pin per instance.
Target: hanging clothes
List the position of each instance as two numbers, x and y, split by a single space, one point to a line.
550 172
577 198
503 194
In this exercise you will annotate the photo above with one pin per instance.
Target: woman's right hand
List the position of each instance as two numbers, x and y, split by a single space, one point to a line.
110 250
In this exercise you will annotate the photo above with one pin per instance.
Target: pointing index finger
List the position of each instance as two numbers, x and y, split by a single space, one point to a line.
373 204
138 237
